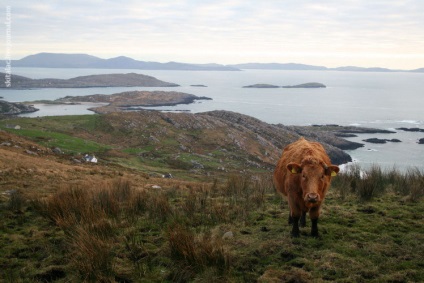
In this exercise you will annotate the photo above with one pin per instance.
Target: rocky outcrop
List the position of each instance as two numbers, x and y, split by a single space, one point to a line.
105 80
421 141
279 135
10 108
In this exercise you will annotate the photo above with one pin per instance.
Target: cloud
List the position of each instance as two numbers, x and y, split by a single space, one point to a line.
197 31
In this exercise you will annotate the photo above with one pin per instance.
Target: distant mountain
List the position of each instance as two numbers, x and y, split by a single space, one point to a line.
57 60
106 80
53 60
278 66
420 70
294 66
360 69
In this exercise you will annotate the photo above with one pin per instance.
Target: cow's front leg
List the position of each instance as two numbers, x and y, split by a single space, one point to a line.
303 219
290 219
295 229
314 214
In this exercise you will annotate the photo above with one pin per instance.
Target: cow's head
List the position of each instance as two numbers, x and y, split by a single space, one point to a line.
315 177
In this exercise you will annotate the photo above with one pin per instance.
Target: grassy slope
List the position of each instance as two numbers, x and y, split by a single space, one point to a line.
104 222
153 147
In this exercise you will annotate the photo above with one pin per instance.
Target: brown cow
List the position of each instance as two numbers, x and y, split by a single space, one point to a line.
303 175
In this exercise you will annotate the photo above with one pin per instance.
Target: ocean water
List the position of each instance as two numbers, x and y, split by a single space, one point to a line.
378 100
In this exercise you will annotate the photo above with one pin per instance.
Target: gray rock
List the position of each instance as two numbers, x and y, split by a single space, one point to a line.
228 235
57 150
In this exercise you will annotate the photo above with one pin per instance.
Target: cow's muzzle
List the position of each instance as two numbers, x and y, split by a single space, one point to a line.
312 197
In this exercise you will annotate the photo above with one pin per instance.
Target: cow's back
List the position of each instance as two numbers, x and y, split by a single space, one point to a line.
296 152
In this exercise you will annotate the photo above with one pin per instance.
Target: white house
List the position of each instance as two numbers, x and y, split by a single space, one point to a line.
90 158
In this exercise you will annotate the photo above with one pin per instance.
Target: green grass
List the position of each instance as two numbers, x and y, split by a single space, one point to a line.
66 143
176 235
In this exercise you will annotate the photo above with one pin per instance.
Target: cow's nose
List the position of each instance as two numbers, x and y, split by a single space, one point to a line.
313 197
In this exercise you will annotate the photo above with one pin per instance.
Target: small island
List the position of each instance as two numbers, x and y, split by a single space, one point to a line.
421 141
305 85
198 85
261 86
130 100
104 80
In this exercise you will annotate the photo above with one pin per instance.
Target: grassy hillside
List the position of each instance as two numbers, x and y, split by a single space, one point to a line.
205 144
219 220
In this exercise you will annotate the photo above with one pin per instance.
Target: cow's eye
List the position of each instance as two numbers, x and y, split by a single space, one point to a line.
322 176
303 176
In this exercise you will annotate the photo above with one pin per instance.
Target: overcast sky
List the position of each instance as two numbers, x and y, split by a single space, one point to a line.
332 33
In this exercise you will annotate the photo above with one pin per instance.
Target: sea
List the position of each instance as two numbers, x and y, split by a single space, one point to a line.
383 100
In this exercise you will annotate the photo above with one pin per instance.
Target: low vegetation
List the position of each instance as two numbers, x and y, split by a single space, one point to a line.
230 230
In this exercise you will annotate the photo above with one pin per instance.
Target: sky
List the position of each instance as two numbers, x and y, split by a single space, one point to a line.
331 33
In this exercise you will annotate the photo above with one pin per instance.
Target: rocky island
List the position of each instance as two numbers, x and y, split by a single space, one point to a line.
129 100
261 86
11 108
411 129
305 85
377 140
105 80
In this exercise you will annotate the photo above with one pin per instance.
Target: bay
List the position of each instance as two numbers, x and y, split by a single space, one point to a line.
380 100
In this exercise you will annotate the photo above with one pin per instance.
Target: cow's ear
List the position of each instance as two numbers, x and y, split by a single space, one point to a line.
332 170
294 168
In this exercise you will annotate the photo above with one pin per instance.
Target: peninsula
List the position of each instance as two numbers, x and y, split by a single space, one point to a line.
104 80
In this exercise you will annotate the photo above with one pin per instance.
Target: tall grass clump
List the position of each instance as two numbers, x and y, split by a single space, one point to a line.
194 253
91 255
409 184
374 182
91 215
16 201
